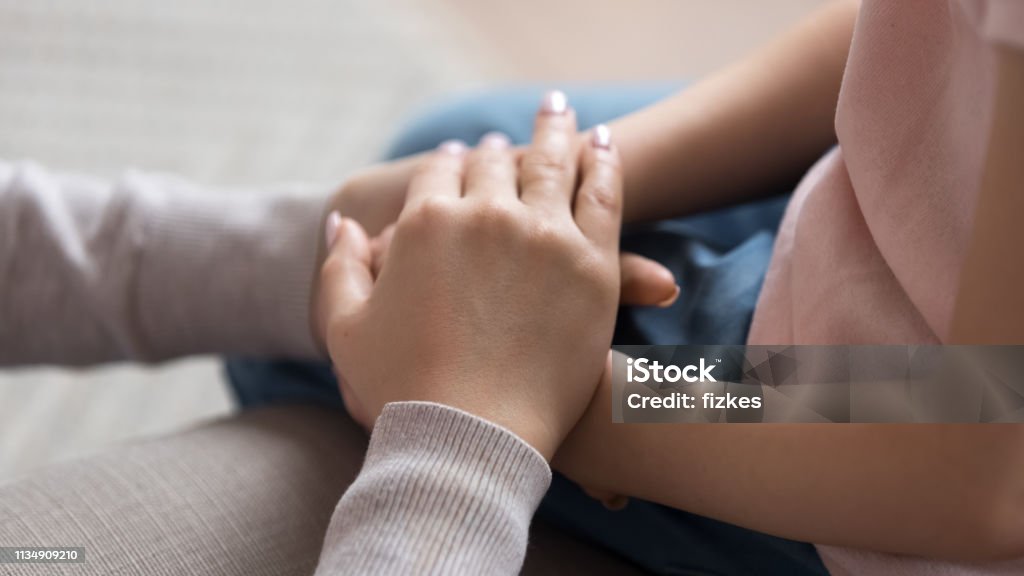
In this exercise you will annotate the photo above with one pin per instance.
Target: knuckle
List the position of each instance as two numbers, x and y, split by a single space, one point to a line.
606 167
603 194
431 212
547 236
436 206
493 216
544 165
494 210
609 162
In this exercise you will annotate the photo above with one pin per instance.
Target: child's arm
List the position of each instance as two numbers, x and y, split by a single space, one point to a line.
942 491
751 129
945 491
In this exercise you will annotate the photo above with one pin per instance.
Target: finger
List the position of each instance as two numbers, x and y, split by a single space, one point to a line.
491 169
374 196
440 174
346 277
598 207
547 169
379 247
646 282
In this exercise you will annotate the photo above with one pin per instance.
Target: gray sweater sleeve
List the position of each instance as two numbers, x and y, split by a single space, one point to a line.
151 267
441 492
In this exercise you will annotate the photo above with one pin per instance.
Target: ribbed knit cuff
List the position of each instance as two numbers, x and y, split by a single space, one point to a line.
227 272
441 492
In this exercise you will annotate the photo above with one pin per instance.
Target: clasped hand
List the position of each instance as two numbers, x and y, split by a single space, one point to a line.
495 290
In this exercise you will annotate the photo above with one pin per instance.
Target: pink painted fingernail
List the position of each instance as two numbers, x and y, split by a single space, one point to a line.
601 137
331 228
554 102
495 140
453 147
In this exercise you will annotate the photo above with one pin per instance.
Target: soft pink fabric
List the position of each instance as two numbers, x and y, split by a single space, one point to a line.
871 246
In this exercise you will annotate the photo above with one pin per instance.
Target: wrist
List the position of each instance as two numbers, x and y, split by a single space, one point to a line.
526 424
527 428
469 396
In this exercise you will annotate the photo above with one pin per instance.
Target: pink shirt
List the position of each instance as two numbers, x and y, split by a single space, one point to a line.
871 246
872 243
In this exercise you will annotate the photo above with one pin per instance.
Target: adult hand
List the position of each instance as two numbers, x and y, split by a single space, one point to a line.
497 302
644 282
375 195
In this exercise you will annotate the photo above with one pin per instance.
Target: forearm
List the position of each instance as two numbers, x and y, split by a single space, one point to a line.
151 267
751 129
441 492
946 491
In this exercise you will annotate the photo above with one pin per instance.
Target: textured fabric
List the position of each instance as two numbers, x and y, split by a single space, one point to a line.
848 562
441 492
719 258
872 244
249 495
246 496
151 267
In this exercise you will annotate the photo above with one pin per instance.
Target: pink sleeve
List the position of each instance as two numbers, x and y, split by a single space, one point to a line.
1003 22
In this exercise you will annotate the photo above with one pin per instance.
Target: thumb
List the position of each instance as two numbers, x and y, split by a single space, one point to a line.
646 282
346 279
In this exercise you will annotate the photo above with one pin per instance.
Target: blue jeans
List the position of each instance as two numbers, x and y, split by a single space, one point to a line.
719 259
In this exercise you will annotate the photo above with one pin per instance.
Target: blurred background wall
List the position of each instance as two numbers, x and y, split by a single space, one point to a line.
244 92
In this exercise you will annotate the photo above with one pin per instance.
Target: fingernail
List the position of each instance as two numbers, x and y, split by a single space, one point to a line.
453 147
554 102
671 299
331 228
601 137
495 140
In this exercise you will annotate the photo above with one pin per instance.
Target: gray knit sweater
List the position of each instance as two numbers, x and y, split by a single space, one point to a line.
151 267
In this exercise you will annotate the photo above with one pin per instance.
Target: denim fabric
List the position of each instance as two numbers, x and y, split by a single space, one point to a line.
719 259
